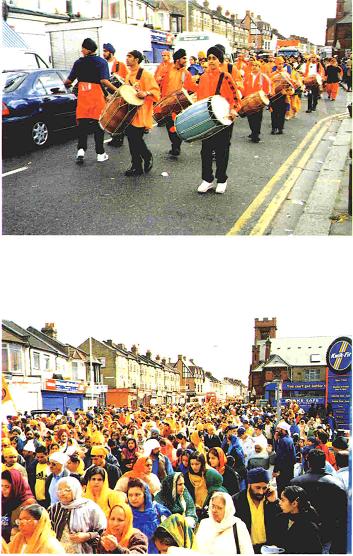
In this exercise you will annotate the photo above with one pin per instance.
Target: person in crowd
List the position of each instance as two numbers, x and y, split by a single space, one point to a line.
254 82
342 464
195 68
246 442
313 68
10 456
120 537
174 496
164 66
259 457
297 528
285 456
63 439
99 459
129 454
211 438
329 498
98 490
75 465
15 494
174 531
142 469
222 532
35 534
232 447
147 514
183 460
196 442
161 465
29 453
257 506
279 100
77 521
57 462
202 482
38 473
322 445
216 459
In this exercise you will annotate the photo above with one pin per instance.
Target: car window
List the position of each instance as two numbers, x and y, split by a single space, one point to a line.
12 81
52 83
39 88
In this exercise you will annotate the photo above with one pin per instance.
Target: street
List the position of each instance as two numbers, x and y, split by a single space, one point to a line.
46 193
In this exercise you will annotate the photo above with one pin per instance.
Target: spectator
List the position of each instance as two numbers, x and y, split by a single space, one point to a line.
120 537
174 496
285 456
98 490
142 469
15 494
38 473
57 462
99 459
217 460
342 463
161 465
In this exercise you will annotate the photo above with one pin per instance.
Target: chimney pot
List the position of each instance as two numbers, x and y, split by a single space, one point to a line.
50 330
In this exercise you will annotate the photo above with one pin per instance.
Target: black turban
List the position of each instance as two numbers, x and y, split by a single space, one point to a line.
137 54
216 52
179 54
89 44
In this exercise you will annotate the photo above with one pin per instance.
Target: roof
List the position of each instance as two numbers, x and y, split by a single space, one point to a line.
58 346
346 19
11 39
33 340
297 352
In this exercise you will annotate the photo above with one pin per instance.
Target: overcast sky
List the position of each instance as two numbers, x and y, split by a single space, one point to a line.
194 296
302 17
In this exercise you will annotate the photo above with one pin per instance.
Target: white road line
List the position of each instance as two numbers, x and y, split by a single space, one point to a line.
15 171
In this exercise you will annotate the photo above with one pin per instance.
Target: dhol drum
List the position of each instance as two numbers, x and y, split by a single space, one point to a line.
120 110
312 81
203 119
253 103
283 84
172 104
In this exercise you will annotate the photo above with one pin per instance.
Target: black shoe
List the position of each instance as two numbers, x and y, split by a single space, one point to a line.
280 132
308 111
148 164
273 132
314 109
250 136
174 152
115 142
134 172
255 139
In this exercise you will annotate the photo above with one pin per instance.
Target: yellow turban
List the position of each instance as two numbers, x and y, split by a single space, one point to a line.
97 438
279 60
201 54
9 451
99 451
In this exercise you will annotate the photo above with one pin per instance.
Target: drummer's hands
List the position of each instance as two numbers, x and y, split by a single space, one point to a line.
141 94
233 114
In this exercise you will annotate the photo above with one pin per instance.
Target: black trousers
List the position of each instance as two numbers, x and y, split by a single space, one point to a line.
255 121
174 138
278 113
218 144
313 96
85 126
138 148
283 480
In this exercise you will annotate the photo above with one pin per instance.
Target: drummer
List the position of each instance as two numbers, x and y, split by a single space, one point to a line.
256 81
116 67
279 105
176 77
313 67
163 67
91 71
232 69
147 88
212 82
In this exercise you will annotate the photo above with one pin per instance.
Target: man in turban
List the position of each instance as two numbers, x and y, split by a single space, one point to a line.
117 70
257 507
10 455
99 458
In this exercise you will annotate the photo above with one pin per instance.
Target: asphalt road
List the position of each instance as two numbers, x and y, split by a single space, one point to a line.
53 195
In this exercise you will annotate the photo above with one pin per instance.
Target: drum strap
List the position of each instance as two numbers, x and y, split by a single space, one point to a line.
219 84
138 76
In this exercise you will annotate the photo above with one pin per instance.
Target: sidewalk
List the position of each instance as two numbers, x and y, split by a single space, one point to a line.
318 202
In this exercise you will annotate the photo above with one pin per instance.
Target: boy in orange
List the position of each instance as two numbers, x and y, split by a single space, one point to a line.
176 77
313 67
279 105
334 74
212 82
228 67
256 81
163 67
147 88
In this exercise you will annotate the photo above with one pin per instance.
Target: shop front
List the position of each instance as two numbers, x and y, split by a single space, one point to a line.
160 40
63 395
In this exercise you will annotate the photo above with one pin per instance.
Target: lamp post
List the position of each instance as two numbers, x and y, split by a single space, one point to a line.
187 15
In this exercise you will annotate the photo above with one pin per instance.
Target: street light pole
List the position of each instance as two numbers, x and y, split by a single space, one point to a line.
91 369
187 15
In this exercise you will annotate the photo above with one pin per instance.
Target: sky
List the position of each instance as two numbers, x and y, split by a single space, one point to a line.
305 18
192 296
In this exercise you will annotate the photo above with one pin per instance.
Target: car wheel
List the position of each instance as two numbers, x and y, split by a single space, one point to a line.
39 133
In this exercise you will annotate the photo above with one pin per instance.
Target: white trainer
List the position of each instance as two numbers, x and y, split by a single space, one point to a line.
221 187
102 157
80 156
205 186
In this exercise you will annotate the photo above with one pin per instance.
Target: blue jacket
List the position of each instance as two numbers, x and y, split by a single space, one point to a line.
285 454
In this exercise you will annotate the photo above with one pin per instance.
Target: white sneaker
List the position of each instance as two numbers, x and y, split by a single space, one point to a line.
80 156
205 186
221 187
102 157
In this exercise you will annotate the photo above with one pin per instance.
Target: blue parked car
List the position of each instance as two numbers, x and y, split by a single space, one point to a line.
36 103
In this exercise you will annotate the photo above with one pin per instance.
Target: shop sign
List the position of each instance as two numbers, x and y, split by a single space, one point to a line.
57 385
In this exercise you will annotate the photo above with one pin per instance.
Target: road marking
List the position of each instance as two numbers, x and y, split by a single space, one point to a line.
15 171
271 211
267 189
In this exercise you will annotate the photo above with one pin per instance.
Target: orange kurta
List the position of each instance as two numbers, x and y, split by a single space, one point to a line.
208 86
143 116
119 68
236 75
175 79
162 70
254 83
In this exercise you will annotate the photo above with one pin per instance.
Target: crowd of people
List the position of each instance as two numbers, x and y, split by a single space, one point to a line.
249 85
225 476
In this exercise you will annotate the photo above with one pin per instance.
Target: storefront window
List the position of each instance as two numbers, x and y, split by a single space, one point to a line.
312 374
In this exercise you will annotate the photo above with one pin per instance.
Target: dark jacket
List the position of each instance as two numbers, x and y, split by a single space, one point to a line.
230 480
303 537
242 510
327 495
138 543
114 473
285 455
212 441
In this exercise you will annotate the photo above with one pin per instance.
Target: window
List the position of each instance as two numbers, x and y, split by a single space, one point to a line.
114 9
102 359
5 358
312 374
51 83
46 362
15 358
130 8
36 360
74 366
315 358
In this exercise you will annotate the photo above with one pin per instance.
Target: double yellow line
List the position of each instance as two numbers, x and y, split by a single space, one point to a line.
318 131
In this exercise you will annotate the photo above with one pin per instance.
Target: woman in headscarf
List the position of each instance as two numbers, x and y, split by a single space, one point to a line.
197 442
173 532
142 469
174 496
98 490
15 494
129 454
216 458
77 521
222 532
201 482
75 465
234 449
183 460
35 534
120 537
147 514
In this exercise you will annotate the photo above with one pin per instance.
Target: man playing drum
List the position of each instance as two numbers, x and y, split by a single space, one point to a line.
279 101
212 82
256 81
91 72
147 89
313 69
116 67
176 78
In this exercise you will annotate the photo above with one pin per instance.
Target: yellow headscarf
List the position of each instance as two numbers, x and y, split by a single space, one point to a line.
43 540
128 530
108 498
197 442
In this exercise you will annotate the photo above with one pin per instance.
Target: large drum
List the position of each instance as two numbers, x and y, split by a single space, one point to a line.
283 83
313 81
203 119
253 103
120 110
171 104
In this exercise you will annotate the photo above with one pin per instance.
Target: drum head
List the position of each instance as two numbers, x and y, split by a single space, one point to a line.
264 98
129 94
220 108
190 99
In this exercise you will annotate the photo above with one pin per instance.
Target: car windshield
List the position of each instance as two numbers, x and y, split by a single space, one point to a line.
12 81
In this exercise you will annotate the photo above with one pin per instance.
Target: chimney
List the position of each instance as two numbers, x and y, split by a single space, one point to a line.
180 357
109 342
134 350
252 14
219 10
227 13
267 349
259 17
248 12
121 346
164 361
158 358
206 4
148 354
192 361
50 330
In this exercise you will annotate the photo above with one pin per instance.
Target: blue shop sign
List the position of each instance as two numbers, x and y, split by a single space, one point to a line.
339 355
313 385
160 37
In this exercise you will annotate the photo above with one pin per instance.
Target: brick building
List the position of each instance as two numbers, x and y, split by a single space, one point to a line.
339 29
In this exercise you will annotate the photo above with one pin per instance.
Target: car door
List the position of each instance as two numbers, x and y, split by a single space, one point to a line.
58 105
